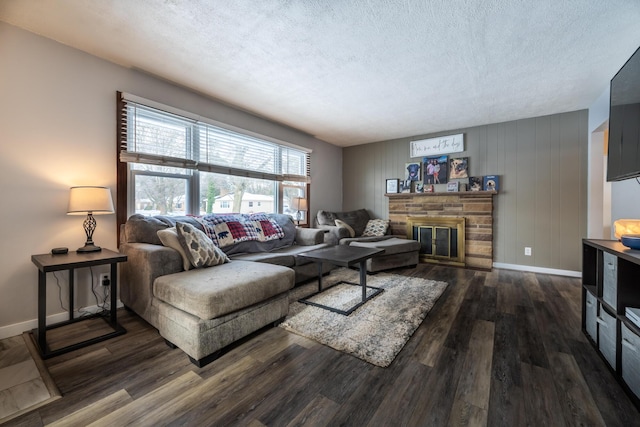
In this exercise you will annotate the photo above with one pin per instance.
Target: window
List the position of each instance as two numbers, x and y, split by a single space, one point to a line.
172 162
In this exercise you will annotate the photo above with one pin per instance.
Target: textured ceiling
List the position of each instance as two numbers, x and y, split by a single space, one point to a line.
351 72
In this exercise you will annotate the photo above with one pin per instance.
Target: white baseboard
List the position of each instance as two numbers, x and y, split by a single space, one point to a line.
569 273
19 328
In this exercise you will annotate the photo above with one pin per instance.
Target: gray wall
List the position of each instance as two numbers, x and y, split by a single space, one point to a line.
542 201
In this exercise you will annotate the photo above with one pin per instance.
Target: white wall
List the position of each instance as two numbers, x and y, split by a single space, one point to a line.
625 195
599 200
58 129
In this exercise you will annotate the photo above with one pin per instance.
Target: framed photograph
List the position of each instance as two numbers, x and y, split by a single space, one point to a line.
419 187
491 183
405 186
476 183
452 186
393 186
458 167
435 170
413 171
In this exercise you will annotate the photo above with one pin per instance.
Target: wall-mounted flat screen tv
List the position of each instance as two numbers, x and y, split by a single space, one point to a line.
623 160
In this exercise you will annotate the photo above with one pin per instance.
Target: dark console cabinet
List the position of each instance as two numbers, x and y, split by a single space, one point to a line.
610 285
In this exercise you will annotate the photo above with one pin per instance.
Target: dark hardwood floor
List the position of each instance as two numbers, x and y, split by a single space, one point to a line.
502 348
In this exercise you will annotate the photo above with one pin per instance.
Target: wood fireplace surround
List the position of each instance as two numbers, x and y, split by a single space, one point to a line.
476 207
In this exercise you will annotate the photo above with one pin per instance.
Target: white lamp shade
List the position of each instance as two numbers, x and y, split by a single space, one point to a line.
96 200
299 204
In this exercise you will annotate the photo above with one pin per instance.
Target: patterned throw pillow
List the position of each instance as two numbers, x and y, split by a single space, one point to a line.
199 248
169 238
376 227
343 224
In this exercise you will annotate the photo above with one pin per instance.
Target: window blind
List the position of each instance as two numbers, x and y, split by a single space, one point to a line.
157 136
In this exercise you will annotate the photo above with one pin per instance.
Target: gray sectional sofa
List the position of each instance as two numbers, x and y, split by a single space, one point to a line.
203 310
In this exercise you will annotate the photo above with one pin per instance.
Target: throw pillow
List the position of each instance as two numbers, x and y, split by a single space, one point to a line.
199 248
343 224
376 227
169 238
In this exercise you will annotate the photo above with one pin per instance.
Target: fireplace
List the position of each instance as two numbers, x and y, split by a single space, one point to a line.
442 239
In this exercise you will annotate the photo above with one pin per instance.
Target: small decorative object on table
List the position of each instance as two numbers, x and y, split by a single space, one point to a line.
458 168
413 171
299 205
393 186
631 241
491 183
475 183
626 226
89 201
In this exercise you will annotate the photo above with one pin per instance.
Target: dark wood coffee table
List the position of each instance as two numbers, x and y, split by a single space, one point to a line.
343 256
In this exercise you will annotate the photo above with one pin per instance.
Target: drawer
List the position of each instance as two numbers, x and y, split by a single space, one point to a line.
591 314
631 359
607 336
610 280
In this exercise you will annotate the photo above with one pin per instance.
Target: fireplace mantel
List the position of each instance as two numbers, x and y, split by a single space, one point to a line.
462 194
475 206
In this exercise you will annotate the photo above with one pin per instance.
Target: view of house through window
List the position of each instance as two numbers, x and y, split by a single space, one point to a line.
181 166
231 194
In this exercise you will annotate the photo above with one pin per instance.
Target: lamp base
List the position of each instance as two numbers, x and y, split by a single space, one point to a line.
89 248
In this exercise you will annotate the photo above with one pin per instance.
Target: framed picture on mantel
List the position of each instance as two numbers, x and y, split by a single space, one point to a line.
393 186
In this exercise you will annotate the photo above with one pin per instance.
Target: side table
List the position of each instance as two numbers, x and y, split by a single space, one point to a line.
49 263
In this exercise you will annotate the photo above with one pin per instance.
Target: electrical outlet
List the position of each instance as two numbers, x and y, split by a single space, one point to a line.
105 279
527 251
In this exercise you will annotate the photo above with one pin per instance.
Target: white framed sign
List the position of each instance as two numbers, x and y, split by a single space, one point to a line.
438 145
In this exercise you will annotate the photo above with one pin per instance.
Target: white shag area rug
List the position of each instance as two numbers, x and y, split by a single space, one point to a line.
376 331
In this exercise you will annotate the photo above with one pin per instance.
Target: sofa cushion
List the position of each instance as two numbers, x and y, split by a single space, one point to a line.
391 246
144 229
340 223
356 219
199 248
349 240
169 238
376 227
212 292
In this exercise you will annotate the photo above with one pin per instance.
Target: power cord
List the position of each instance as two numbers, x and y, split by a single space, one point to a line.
102 306
59 291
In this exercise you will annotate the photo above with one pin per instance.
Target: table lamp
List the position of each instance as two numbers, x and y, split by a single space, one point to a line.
299 204
90 201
